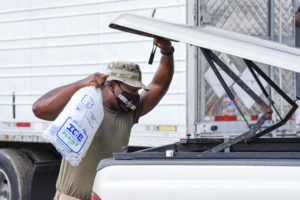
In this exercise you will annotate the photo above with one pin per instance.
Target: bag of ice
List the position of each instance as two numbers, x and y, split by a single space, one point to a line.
73 130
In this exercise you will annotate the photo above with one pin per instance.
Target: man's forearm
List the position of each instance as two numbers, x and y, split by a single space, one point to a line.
159 84
164 73
52 103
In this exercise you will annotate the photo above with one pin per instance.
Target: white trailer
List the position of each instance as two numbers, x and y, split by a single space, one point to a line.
46 44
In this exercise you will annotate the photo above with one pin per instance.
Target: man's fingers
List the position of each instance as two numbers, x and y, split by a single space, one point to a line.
100 80
162 43
101 76
99 83
96 79
156 43
93 84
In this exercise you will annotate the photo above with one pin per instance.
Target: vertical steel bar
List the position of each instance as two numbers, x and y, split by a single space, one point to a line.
271 36
201 71
192 100
14 105
280 41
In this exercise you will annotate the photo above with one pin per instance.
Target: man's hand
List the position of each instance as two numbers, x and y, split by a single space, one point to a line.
97 79
163 44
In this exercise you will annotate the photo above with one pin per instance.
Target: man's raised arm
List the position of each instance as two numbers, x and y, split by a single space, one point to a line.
162 78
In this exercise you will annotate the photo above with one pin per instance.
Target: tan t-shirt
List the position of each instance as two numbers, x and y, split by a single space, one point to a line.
112 135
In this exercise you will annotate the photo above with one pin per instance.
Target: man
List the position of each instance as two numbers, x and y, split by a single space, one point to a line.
122 108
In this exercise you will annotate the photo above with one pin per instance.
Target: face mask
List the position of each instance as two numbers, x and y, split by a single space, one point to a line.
127 101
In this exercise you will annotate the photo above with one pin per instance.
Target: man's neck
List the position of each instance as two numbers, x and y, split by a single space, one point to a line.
108 99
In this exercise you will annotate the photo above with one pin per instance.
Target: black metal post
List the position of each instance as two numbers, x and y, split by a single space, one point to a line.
262 87
14 105
277 89
207 54
238 80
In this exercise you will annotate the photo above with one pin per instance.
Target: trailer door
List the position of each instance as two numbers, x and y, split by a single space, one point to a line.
209 109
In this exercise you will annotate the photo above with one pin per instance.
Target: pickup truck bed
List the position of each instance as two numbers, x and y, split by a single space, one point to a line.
200 179
171 172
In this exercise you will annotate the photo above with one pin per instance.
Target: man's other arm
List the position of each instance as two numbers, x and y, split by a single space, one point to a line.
161 80
49 106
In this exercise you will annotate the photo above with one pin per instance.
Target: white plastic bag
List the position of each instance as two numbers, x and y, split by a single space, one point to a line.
73 130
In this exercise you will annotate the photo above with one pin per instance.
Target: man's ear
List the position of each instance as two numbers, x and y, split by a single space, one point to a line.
111 85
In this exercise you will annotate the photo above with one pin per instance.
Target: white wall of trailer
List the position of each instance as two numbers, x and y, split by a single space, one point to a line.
46 44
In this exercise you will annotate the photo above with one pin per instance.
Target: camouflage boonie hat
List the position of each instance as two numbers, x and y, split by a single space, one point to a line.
126 72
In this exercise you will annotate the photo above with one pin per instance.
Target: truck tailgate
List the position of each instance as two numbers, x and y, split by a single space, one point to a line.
198 179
